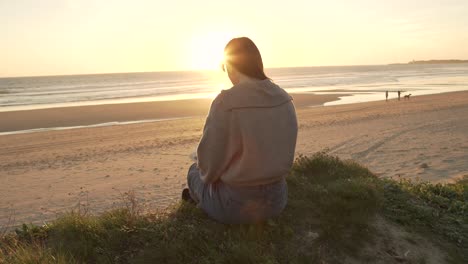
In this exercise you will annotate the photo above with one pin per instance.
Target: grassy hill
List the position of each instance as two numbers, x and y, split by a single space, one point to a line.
338 212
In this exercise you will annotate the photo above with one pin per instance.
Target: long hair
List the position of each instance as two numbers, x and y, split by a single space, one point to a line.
244 56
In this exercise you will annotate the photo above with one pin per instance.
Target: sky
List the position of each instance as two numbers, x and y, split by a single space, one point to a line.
54 37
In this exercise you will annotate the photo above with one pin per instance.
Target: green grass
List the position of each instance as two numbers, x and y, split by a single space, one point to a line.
437 210
332 208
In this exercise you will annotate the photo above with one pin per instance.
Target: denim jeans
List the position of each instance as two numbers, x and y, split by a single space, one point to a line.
237 205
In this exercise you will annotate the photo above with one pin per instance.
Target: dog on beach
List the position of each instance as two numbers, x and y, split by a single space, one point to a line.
407 96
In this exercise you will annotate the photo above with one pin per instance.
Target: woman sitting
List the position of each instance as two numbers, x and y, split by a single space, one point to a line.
248 144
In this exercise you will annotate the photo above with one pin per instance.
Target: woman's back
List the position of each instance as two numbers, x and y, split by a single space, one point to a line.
260 131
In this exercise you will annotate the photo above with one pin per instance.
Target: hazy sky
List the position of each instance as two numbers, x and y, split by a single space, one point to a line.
47 37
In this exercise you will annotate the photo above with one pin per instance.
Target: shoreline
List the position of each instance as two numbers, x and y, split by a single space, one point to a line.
59 118
36 130
117 114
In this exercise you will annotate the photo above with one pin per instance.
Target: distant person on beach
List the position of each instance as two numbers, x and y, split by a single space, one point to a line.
399 93
386 95
248 144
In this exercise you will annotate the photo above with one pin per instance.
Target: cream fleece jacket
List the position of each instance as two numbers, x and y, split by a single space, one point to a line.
249 136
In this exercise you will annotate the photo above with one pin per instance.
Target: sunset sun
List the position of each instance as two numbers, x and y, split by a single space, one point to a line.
207 50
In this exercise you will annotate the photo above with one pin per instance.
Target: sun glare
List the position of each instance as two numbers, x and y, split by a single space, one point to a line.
207 50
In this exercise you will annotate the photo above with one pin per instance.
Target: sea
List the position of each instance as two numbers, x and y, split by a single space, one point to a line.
353 84
359 83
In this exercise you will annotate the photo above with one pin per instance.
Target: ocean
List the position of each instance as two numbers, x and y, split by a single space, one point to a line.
360 83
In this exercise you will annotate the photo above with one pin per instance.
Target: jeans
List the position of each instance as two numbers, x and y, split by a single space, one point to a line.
237 205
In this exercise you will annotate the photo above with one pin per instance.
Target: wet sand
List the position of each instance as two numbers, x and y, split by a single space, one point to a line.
98 114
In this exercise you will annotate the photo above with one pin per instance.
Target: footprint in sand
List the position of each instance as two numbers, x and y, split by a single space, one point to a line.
424 166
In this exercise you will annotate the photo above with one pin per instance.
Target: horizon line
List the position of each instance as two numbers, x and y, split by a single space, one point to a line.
211 70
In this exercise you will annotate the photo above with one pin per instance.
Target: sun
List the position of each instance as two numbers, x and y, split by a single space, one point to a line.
208 50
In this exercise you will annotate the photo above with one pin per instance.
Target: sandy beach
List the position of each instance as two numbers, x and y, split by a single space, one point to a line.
44 174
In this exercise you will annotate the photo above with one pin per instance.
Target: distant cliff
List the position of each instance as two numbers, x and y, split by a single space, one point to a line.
437 61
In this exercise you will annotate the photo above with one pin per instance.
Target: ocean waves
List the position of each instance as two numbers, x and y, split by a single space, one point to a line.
95 89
